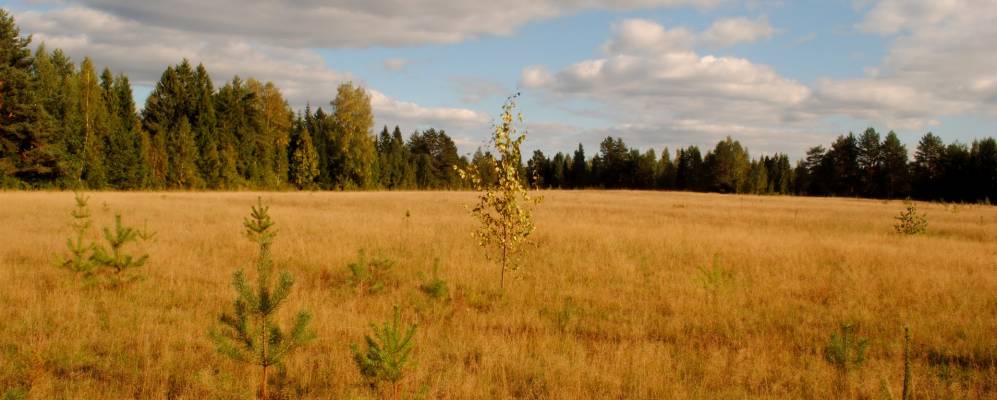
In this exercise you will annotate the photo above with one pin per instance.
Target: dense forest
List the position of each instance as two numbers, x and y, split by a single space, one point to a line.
65 126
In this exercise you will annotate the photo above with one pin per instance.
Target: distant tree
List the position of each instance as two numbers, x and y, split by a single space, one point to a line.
870 163
536 170
984 169
895 172
928 167
304 163
666 171
758 178
579 175
182 155
728 165
845 177
353 155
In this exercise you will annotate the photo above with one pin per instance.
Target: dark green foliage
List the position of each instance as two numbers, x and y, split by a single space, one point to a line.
388 355
910 222
249 333
370 275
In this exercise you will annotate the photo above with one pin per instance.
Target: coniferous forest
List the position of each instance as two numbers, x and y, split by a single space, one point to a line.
64 125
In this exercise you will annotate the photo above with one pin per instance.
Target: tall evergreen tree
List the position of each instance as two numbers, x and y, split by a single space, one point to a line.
895 173
27 156
928 168
304 163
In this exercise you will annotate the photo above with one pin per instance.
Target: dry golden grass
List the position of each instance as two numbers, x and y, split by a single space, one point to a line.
609 305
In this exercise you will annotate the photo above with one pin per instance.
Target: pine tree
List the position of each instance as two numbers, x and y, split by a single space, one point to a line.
389 354
249 333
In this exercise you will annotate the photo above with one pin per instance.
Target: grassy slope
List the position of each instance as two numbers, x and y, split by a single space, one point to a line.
610 305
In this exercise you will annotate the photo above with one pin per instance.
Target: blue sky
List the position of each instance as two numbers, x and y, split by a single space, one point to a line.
780 76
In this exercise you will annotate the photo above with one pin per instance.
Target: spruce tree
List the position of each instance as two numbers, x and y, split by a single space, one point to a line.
304 160
249 332
27 153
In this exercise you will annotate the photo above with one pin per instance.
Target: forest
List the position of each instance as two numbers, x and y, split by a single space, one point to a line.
63 125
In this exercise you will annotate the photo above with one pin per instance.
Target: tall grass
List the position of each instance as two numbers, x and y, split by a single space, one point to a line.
630 263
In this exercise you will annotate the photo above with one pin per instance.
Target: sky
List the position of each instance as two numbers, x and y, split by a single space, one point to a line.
779 76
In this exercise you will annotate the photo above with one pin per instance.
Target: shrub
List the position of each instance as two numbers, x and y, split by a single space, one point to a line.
715 278
389 354
249 334
910 222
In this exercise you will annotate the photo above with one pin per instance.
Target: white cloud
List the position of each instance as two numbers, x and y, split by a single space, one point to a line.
732 31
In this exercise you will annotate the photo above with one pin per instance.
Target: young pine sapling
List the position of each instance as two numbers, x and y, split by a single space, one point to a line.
389 354
249 333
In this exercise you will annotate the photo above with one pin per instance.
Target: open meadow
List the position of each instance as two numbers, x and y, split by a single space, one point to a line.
644 295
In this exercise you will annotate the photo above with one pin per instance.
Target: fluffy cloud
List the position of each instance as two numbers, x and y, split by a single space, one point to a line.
940 62
731 31
654 86
648 37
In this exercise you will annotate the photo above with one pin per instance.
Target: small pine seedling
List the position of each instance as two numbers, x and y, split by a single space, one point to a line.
389 354
845 352
249 334
435 287
503 209
910 222
78 259
715 278
369 276
113 257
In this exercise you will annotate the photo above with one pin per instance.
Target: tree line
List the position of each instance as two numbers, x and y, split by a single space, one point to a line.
65 126
867 165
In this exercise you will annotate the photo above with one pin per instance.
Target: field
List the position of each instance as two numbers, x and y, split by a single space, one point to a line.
650 295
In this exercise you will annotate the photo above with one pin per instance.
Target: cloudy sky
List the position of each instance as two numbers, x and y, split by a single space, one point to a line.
778 75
